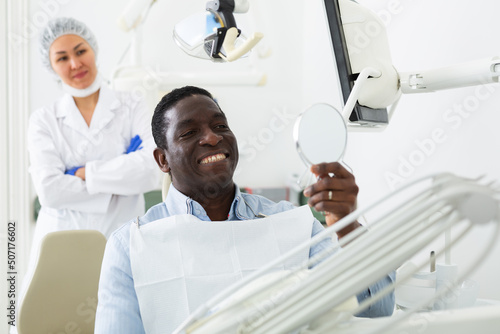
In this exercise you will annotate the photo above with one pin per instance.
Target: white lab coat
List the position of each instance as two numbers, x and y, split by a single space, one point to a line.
59 139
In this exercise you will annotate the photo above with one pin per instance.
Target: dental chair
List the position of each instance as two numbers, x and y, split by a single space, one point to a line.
167 180
62 293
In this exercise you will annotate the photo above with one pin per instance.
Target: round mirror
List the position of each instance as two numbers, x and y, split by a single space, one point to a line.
320 134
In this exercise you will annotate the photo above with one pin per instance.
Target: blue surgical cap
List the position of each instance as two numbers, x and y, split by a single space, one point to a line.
58 27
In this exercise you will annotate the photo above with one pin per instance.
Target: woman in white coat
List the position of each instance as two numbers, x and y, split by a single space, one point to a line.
91 150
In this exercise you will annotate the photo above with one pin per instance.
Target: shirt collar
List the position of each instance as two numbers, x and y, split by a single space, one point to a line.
178 204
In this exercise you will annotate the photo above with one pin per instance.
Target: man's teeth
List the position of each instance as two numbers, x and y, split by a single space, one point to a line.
213 158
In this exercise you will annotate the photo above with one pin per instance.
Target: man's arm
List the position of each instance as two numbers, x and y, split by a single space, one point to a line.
385 306
118 308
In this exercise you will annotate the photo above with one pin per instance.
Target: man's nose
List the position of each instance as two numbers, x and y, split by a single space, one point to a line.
209 137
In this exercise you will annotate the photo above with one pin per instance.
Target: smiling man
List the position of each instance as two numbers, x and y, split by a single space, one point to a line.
162 266
197 148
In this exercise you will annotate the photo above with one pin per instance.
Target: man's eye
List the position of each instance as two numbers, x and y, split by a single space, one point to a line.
187 133
221 126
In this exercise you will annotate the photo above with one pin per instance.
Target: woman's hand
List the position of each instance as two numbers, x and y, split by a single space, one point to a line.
80 172
77 171
135 144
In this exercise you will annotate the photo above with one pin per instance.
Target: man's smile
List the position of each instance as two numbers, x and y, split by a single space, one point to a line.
213 158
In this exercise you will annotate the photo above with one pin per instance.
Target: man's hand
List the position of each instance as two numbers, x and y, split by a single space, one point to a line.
335 193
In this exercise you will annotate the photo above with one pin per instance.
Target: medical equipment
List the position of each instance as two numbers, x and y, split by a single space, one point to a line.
370 83
304 300
214 35
190 34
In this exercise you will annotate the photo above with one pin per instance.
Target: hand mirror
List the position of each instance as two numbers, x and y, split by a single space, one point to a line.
320 135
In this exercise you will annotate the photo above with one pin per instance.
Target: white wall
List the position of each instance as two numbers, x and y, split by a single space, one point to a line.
423 35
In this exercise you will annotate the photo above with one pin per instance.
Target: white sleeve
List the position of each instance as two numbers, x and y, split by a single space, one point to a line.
127 174
54 188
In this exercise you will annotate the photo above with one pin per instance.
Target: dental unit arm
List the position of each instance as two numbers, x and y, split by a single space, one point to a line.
369 81
472 73
318 297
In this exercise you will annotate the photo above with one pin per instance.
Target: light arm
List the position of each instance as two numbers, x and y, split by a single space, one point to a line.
472 73
132 15
241 6
233 53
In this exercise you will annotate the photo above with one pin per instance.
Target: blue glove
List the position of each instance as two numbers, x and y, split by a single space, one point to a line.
72 171
135 144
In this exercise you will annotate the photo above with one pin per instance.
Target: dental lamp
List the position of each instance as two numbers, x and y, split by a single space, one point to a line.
370 83
219 26
215 35
211 35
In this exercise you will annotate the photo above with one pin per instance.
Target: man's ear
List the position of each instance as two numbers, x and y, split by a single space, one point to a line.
161 159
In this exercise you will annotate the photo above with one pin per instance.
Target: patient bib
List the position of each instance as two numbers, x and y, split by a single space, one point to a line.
180 262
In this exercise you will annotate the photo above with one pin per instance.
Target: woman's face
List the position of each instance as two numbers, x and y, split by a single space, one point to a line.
73 60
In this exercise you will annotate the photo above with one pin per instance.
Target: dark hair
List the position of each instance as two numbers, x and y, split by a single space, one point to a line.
159 122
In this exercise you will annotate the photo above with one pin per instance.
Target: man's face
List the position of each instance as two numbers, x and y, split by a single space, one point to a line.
202 152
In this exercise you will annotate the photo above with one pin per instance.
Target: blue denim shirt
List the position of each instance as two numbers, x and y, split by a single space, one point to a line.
118 308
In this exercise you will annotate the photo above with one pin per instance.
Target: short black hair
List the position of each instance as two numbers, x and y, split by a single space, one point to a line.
159 122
